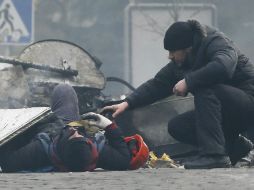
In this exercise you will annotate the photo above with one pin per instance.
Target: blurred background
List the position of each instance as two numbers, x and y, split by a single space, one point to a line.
111 30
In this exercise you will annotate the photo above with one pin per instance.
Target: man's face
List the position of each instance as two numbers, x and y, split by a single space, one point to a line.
179 56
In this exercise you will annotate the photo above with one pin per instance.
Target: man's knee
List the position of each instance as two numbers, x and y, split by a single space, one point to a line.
209 96
64 100
62 89
64 92
212 90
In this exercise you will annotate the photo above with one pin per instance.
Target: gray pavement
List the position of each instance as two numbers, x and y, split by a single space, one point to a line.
147 179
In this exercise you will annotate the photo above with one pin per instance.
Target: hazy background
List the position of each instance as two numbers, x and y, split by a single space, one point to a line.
98 27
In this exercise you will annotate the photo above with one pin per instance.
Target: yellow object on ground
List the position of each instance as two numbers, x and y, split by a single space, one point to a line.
163 162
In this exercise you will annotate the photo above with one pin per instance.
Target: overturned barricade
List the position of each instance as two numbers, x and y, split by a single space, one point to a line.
44 65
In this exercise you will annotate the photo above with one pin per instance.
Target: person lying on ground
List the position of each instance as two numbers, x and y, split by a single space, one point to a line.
63 145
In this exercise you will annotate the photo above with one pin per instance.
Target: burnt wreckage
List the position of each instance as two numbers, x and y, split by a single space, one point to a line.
28 80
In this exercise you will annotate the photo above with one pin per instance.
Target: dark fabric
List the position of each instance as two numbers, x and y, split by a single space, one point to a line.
221 79
115 154
216 121
157 88
240 148
51 126
178 36
33 156
65 103
74 153
30 157
217 61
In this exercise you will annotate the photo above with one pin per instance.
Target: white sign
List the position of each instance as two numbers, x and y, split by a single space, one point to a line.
16 18
146 25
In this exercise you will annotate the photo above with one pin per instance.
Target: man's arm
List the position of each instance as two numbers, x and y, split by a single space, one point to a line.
157 88
222 60
154 89
115 155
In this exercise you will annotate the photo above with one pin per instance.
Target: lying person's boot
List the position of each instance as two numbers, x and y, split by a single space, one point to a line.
247 161
208 162
241 147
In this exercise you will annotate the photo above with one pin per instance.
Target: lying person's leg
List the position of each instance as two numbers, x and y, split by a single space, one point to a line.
64 103
30 158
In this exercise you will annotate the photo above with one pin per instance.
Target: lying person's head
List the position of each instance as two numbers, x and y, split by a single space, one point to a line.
76 151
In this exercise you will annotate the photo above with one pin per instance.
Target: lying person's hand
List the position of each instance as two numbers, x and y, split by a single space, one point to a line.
96 120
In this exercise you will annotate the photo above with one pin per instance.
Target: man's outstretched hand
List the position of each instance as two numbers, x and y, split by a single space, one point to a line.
116 109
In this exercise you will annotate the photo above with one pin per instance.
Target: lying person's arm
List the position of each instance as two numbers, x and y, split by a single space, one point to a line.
115 154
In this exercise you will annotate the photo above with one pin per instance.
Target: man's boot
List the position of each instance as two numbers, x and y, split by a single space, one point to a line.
208 162
246 161
241 147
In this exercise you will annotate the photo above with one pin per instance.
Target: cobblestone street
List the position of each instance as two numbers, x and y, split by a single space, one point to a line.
148 179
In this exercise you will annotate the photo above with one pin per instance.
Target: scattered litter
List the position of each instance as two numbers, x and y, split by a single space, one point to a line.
163 162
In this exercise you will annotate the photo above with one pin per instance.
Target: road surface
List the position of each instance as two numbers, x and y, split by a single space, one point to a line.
142 179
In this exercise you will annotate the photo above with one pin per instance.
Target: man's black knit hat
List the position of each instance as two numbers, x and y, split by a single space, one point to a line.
178 36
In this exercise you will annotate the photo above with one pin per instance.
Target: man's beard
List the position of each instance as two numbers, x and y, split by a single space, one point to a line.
188 61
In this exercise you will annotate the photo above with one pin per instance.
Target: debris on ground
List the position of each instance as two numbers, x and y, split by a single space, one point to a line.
163 162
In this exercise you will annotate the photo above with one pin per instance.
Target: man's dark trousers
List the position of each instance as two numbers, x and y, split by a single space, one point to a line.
221 113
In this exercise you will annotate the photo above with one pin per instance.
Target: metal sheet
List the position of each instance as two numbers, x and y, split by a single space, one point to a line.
152 123
62 55
15 121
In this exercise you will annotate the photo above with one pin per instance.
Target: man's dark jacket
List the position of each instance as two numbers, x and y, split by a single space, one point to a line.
215 60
